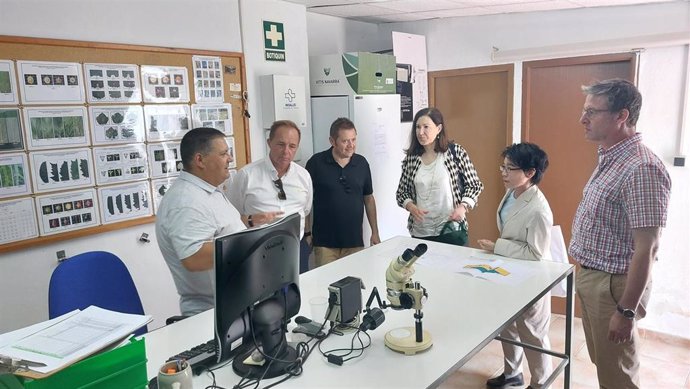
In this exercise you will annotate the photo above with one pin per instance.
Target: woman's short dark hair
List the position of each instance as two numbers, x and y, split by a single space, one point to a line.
441 141
198 140
528 156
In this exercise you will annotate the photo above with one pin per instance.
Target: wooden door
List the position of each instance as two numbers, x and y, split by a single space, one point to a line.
477 107
552 104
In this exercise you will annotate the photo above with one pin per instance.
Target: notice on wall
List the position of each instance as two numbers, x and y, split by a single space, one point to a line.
51 82
8 87
218 116
165 84
208 79
124 202
11 136
117 124
55 128
14 175
120 164
410 55
58 170
67 211
18 220
112 83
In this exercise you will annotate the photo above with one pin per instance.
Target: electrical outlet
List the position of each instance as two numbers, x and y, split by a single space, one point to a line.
61 256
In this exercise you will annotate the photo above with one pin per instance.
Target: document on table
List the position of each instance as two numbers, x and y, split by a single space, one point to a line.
485 266
10 337
72 339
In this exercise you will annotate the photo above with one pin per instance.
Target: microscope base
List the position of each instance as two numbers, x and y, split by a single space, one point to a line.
403 340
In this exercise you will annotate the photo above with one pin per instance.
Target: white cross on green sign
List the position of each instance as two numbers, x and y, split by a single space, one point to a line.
274 41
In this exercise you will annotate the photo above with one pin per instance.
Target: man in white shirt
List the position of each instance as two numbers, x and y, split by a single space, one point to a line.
192 213
275 186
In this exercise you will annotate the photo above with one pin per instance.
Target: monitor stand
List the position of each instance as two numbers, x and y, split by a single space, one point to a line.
244 366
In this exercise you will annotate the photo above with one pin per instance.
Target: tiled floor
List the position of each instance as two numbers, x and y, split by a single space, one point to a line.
665 362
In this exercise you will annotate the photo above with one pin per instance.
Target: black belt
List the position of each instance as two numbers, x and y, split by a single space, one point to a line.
603 271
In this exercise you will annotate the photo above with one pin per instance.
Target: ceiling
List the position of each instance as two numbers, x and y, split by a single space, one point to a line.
392 11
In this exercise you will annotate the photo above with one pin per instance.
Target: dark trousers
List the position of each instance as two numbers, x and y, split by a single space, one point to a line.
304 252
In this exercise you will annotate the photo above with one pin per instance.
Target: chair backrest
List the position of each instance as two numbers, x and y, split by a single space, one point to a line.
93 278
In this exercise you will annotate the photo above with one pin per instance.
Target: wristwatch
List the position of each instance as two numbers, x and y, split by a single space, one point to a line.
250 221
627 313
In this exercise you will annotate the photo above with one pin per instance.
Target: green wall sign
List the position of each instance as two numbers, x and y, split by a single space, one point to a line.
274 41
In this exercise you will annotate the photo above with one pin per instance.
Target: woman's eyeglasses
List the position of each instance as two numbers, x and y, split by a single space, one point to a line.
281 192
505 169
343 182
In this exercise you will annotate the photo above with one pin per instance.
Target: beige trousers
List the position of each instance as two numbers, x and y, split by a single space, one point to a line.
325 255
618 365
531 328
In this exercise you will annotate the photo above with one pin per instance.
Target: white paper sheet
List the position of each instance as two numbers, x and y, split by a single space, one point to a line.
74 338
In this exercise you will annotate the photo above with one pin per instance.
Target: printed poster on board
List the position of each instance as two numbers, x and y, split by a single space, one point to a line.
117 124
112 83
51 82
67 211
55 128
165 84
8 86
208 79
18 220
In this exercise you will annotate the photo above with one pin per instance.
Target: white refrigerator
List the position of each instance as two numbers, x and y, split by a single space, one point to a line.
380 140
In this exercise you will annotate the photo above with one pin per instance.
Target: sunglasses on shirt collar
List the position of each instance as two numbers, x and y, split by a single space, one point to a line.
281 192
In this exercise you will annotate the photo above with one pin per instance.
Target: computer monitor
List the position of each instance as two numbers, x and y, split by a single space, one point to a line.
257 292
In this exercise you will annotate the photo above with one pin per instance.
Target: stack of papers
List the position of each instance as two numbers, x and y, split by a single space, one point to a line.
50 346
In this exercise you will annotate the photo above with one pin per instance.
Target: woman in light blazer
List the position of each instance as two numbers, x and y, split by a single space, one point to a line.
524 220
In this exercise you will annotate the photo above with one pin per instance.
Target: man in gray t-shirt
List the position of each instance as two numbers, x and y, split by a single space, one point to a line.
192 213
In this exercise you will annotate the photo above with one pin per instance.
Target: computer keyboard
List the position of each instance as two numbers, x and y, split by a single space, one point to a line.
199 357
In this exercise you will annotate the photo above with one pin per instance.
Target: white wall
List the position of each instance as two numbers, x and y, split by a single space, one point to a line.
293 17
662 81
468 42
202 24
199 24
338 35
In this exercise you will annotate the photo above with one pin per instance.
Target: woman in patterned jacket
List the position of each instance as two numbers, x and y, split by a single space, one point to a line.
438 182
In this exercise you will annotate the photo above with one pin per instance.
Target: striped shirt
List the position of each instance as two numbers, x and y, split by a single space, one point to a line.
630 188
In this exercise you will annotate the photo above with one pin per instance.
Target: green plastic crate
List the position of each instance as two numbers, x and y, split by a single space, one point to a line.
120 368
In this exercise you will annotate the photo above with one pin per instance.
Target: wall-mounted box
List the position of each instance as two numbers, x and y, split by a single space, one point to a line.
283 98
352 73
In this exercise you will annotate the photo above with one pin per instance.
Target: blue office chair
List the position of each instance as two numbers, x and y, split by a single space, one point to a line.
93 278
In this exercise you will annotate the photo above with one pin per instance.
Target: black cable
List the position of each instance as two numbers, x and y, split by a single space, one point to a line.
339 359
294 369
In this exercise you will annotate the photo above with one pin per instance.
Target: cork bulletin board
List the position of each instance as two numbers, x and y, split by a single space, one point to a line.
90 132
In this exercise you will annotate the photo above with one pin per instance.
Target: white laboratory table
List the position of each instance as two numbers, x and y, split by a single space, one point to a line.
463 314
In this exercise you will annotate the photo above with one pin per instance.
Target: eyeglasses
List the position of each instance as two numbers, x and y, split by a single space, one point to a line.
343 182
505 169
281 192
589 112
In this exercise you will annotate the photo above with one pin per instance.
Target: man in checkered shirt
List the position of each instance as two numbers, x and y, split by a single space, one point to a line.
616 231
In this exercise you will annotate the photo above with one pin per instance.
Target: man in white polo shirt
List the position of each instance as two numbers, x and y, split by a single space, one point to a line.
193 212
275 186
